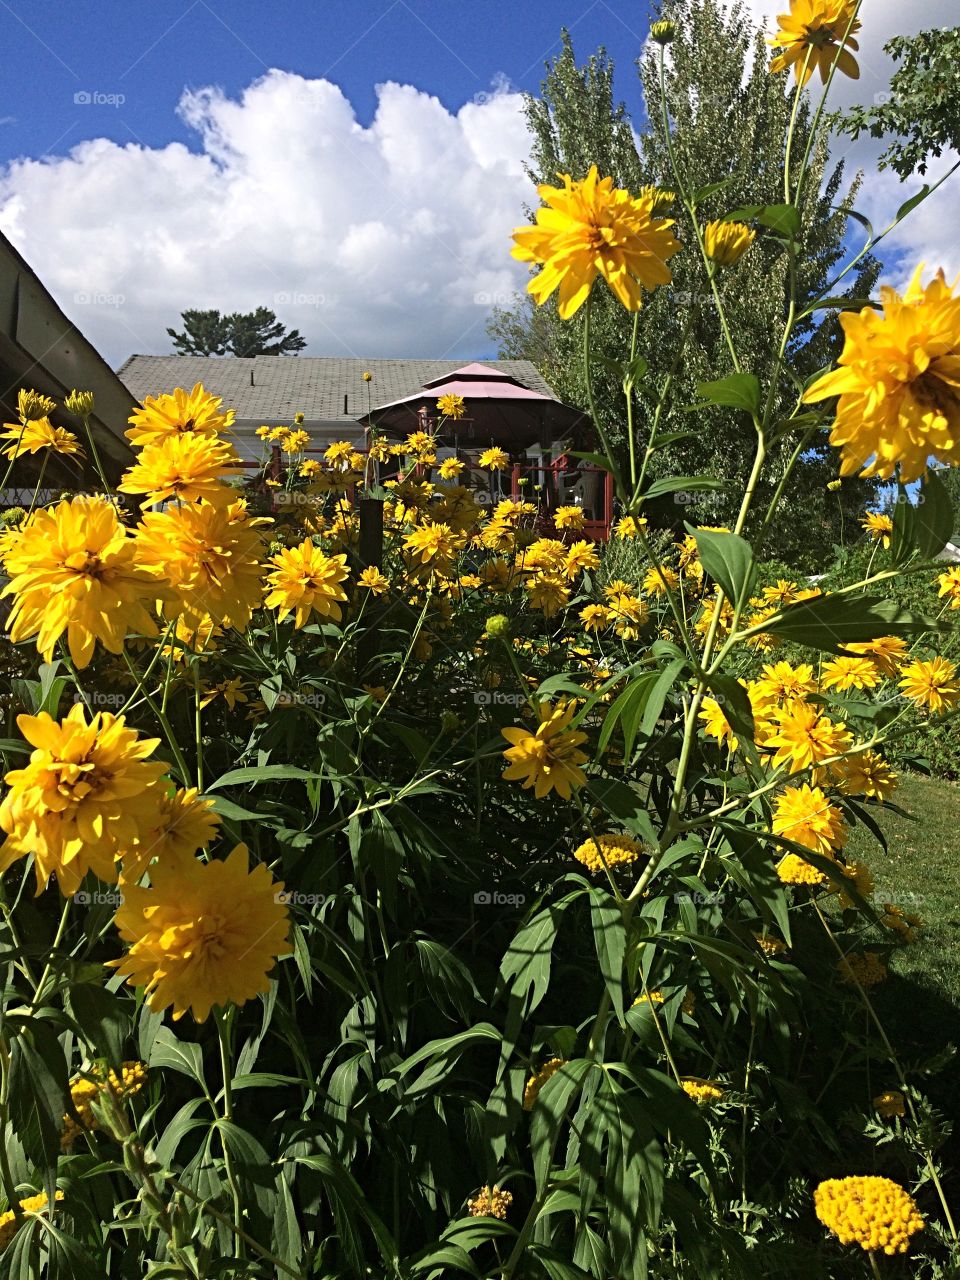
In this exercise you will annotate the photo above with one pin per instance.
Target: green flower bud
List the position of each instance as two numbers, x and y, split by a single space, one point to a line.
33 406
498 626
79 403
663 32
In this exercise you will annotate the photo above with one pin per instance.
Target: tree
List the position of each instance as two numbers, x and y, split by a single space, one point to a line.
921 113
729 118
251 333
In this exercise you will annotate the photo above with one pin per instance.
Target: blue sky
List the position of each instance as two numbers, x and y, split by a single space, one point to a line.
355 165
149 52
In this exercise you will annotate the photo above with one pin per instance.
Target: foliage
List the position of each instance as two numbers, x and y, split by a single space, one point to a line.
252 333
920 115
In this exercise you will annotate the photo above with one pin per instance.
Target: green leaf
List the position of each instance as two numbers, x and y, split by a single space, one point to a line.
349 1205
626 805
626 711
549 1111
265 773
178 1055
555 1265
682 484
737 391
670 437
711 189
782 218
727 558
38 1087
924 528
610 940
909 205
830 622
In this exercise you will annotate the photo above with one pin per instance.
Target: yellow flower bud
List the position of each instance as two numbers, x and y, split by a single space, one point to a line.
79 403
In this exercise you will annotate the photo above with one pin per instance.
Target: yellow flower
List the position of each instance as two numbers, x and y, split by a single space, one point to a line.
262 433
452 406
490 1202
88 1088
887 653
74 569
890 1103
608 850
849 673
769 945
549 758
339 451
595 617
865 774
727 242
40 433
898 383
296 442
203 934
875 1213
536 1082
879 527
781 593
494 460
704 1092
186 467
648 997
548 592
590 228
582 556
950 586
805 816
628 527
861 878
810 36
305 581
569 518
367 375
231 691
932 684
908 926
657 582
185 822
450 468
804 737
209 555
32 1206
374 581
792 869
179 413
780 683
87 793
434 545
420 442
716 725
862 969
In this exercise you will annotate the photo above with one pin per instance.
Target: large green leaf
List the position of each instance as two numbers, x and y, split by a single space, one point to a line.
549 1111
923 528
830 622
610 940
727 558
737 391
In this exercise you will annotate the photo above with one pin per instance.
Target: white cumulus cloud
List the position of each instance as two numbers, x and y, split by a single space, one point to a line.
389 239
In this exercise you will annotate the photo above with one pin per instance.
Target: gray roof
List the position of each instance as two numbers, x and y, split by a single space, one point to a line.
273 388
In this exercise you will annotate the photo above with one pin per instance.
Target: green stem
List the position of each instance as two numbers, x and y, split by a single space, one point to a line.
223 1019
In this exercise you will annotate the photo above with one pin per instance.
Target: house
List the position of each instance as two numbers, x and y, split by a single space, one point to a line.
331 392
41 350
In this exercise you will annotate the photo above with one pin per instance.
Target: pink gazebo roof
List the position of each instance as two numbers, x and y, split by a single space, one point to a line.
498 406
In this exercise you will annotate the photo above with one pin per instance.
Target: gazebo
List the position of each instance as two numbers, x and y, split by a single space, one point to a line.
500 410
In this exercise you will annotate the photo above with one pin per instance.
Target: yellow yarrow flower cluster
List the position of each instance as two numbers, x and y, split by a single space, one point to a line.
490 1202
536 1082
875 1213
862 969
705 1093
29 1207
607 850
86 1089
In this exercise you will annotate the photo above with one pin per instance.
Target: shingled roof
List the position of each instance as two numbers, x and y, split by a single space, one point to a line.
272 389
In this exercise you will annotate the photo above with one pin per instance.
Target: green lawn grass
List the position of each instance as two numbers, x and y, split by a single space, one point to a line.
920 1003
921 872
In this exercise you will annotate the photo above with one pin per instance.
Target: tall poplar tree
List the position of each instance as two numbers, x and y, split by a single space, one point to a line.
729 117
